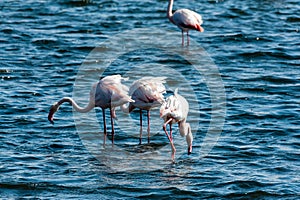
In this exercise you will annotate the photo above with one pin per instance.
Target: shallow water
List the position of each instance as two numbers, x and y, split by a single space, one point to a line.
240 76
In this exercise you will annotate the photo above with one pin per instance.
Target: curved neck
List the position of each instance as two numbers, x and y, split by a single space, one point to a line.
89 107
185 130
169 12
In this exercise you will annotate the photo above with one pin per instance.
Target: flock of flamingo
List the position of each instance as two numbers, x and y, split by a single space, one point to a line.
144 94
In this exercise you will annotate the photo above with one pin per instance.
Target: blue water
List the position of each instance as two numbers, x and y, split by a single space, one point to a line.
48 52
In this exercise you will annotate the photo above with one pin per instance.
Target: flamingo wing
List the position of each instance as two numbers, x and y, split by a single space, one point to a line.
148 90
171 109
187 19
184 105
175 107
110 92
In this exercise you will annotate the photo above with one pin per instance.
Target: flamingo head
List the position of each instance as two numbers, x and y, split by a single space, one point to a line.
190 148
199 28
189 139
52 110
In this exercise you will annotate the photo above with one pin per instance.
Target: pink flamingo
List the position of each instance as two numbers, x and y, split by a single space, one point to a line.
175 110
186 20
108 92
147 93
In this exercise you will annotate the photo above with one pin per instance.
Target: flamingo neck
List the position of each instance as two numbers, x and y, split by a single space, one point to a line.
189 136
185 130
169 12
86 109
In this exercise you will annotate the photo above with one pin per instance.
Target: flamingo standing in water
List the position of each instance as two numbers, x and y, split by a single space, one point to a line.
147 93
175 110
186 20
108 92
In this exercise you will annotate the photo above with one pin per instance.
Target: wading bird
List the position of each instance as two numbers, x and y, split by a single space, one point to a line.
147 93
108 92
186 20
175 110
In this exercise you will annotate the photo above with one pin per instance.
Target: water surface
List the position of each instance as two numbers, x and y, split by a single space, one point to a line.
254 44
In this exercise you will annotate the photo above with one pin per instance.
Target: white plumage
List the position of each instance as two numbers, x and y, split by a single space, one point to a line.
175 110
147 93
185 19
108 92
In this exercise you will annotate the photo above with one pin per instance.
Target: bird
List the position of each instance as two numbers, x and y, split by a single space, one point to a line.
147 93
186 20
108 92
175 110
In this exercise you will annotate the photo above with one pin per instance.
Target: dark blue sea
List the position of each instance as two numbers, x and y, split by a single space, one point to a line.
241 77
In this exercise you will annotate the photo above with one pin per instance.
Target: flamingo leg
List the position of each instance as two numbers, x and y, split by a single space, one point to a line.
182 38
165 128
141 125
171 140
148 130
104 125
112 125
171 136
188 38
172 144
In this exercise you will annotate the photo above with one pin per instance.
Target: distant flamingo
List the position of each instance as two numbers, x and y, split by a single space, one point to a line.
175 110
186 20
108 92
147 93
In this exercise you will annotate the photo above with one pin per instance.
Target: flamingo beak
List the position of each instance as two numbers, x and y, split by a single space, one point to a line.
52 110
201 29
190 150
50 116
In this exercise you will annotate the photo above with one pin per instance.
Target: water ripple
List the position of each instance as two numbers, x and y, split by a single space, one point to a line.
255 45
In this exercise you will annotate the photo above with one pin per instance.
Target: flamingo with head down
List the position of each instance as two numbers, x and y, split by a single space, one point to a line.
175 110
108 92
185 19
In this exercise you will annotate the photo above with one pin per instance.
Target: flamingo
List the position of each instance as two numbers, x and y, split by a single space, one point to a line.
147 93
175 110
108 92
185 19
